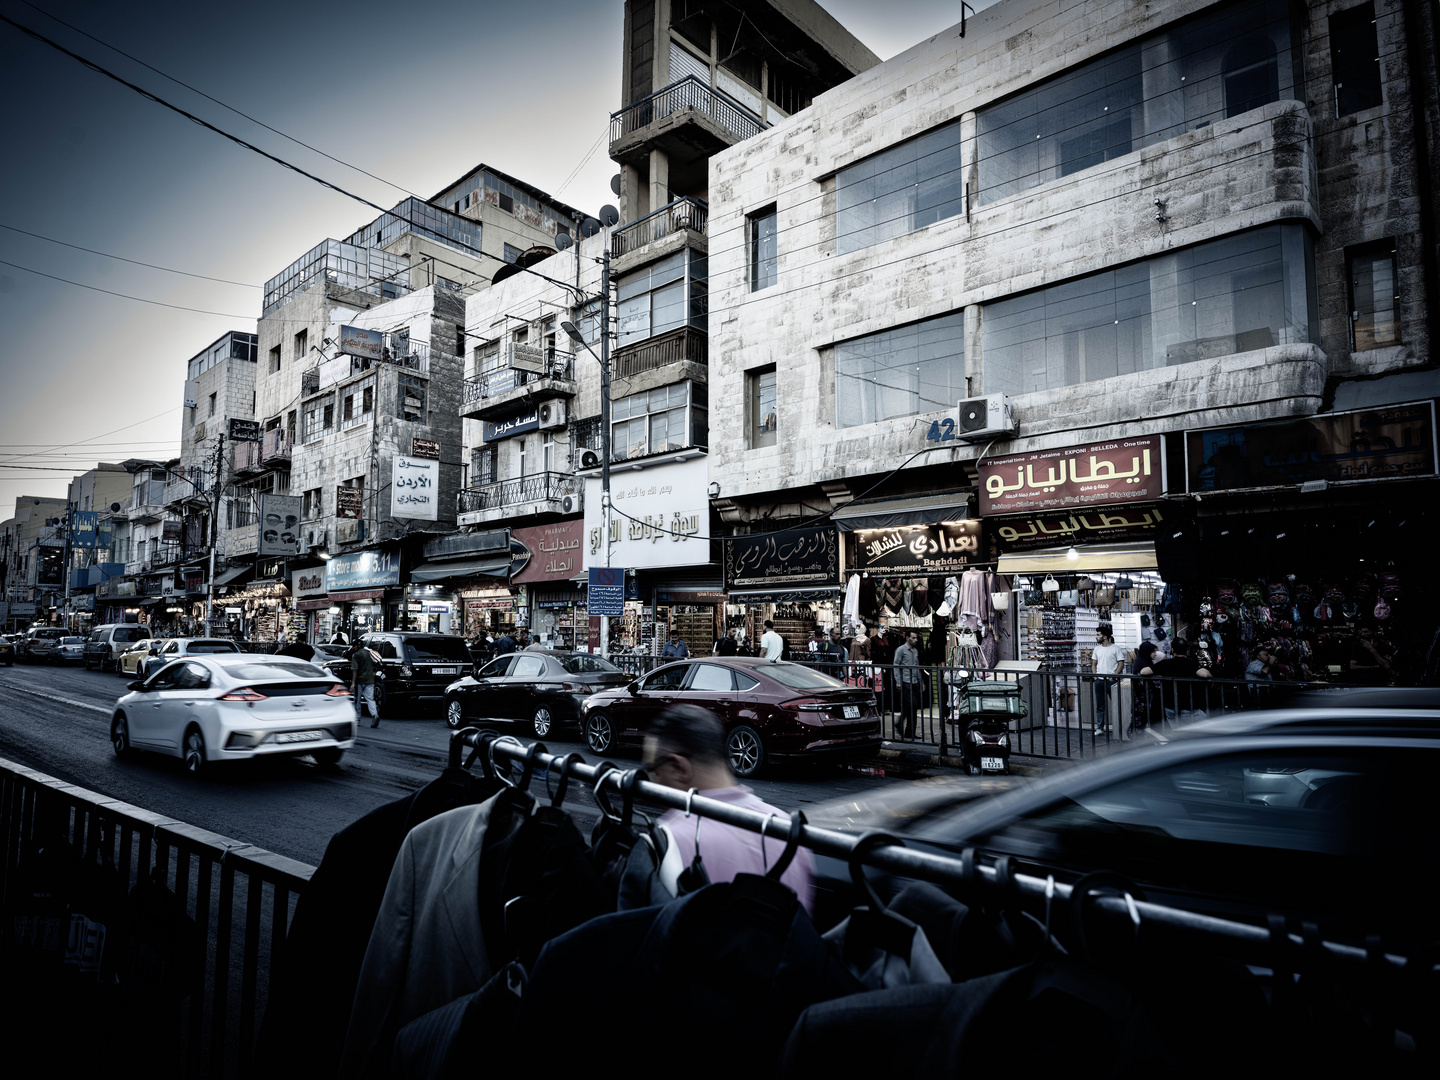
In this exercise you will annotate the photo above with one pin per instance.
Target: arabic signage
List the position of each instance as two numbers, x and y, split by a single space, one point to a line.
1377 444
527 419
279 525
1119 471
308 583
167 585
1113 523
170 532
808 556
945 547
84 528
660 517
244 430
426 448
415 488
362 570
350 503
550 552
606 594
366 344
527 358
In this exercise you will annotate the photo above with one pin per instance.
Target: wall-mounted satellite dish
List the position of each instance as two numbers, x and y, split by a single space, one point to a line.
615 183
589 227
563 241
609 215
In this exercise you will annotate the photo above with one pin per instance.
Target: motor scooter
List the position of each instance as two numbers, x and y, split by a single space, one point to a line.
986 710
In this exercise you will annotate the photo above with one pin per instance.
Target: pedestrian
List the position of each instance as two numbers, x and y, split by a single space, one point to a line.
907 680
1180 702
1106 659
504 644
299 648
1144 700
832 655
726 645
675 648
1258 670
339 638
817 641
364 663
772 645
685 750
522 639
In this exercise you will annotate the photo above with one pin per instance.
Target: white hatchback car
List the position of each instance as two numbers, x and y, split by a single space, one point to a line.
229 706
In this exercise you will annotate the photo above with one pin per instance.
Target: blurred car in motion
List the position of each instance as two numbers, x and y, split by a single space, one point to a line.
128 663
414 669
69 650
40 642
162 653
7 652
230 706
542 688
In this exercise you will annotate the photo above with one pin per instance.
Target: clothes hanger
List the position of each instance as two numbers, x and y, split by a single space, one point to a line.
602 773
694 877
564 763
503 775
872 925
792 844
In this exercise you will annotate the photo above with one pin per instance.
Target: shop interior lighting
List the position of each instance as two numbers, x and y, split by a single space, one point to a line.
1072 554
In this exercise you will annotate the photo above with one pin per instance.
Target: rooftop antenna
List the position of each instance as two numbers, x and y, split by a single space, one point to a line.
963 6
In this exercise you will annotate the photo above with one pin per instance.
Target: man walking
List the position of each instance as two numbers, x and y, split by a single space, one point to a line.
675 648
726 646
772 645
907 679
504 644
832 656
364 662
1106 659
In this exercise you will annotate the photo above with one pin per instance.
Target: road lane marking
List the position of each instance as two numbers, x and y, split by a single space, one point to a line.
56 697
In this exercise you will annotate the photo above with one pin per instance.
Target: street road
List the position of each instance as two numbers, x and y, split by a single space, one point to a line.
57 720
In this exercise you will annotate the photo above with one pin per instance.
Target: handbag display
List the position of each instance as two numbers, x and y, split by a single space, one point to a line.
1050 584
1124 582
1000 601
1069 598
1085 584
1105 596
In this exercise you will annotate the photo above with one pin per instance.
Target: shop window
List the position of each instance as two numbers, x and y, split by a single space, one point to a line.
412 398
313 506
1237 294
1355 60
763 419
909 371
1374 296
1216 65
664 296
761 227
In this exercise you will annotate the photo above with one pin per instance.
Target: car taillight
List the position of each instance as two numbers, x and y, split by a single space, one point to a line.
245 693
806 705
338 690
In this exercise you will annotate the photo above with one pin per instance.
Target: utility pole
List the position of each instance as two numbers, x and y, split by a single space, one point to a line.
605 428
65 559
214 531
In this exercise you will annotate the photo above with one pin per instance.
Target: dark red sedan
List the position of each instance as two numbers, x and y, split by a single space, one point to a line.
771 710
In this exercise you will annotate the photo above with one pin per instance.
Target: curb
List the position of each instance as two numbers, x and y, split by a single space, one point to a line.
949 761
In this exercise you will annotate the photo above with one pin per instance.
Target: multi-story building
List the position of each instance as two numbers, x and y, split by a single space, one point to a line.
1195 236
32 552
92 496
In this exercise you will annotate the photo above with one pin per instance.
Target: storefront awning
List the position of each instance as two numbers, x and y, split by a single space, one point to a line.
797 595
892 513
312 605
1137 556
497 567
234 575
347 595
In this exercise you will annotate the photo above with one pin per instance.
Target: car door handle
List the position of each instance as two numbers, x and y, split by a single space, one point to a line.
723 701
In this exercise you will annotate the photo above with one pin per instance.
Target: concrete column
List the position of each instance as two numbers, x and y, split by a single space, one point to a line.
659 180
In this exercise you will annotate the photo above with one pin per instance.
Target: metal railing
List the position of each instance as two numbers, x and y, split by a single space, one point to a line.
275 445
682 214
500 381
672 347
524 490
687 93
240 897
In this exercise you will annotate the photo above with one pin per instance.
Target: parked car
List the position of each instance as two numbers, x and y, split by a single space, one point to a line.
106 643
135 652
69 650
40 642
162 652
7 651
232 706
544 689
771 710
415 669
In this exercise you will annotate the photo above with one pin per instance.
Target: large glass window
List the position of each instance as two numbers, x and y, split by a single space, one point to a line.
905 372
1374 297
665 295
764 421
762 249
900 190
1355 59
1213 66
1242 292
669 418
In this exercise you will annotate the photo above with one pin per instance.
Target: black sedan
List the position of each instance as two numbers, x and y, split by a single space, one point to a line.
542 687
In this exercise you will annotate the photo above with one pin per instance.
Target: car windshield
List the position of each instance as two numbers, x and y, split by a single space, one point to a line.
428 650
797 677
198 648
586 665
296 669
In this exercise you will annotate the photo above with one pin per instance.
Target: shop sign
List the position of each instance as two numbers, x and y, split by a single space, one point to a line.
425 448
1377 444
83 602
946 547
167 585
415 488
606 595
661 517
195 582
1027 531
350 503
366 344
22 609
244 430
269 570
362 570
806 556
672 596
309 582
84 528
550 552
279 525
527 419
1108 473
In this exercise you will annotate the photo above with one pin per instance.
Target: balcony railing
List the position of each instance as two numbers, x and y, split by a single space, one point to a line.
522 491
688 93
500 381
673 347
682 214
275 445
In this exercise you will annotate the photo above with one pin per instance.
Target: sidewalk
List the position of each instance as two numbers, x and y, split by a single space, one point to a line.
915 758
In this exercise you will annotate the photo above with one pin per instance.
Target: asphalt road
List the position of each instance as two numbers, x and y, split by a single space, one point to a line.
57 720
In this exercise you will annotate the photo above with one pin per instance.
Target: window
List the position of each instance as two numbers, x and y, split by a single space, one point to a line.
412 398
302 346
655 421
668 678
507 203
522 456
762 249
367 399
487 357
496 668
484 465
328 416
290 425
311 428
665 295
711 677
547 451
899 190
459 338
527 667
762 406
1216 65
590 323
904 372
212 403
1355 60
313 505
1236 294
274 361
512 253
348 408
1374 297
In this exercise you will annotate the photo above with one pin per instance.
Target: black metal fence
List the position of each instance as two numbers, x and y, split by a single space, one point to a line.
684 213
686 93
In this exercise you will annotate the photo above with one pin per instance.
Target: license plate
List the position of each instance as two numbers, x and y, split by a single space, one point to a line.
998 764
445 671
299 736
852 712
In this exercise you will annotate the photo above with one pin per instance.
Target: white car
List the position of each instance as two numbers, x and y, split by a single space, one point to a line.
229 706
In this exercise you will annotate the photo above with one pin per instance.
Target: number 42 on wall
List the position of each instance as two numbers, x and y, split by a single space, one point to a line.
941 430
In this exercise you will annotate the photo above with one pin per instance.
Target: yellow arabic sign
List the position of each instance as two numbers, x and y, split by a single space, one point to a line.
1078 527
1121 471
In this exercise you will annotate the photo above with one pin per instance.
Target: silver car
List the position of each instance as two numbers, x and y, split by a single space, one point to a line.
70 650
225 707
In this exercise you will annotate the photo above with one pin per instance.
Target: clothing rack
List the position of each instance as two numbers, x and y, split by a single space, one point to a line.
884 852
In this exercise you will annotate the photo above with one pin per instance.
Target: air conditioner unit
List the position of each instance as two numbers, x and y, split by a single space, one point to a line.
315 538
572 504
590 459
552 415
985 417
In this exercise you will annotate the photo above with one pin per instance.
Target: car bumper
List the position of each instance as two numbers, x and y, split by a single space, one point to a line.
830 749
287 739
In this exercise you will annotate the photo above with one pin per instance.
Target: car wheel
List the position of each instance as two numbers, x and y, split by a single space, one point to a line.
329 757
379 701
745 751
454 714
194 752
120 736
543 721
599 735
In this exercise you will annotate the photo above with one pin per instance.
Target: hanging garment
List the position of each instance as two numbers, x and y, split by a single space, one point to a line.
878 970
869 601
920 598
850 612
441 1045
975 595
892 596
907 600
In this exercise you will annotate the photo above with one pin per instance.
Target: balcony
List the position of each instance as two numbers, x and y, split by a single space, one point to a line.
496 392
688 119
679 216
397 350
525 496
685 345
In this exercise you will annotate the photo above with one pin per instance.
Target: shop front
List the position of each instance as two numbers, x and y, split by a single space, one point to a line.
365 587
547 561
473 565
312 603
790 577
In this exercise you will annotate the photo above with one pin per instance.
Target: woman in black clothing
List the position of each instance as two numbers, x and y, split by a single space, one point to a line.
1144 698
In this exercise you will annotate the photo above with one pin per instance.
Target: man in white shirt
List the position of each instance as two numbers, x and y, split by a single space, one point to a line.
1107 659
772 645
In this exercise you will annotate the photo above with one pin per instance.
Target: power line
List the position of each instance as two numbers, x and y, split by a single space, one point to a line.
126 296
133 262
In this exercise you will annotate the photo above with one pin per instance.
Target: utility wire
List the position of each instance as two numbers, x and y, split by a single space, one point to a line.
133 262
126 296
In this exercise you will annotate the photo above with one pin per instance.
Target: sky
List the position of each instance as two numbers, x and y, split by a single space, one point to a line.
416 95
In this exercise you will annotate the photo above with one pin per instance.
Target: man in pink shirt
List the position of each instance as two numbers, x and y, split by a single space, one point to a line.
686 749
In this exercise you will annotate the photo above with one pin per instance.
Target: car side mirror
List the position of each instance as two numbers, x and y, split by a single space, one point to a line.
154 650
137 684
633 687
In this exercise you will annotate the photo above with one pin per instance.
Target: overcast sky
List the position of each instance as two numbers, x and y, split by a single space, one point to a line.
415 94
